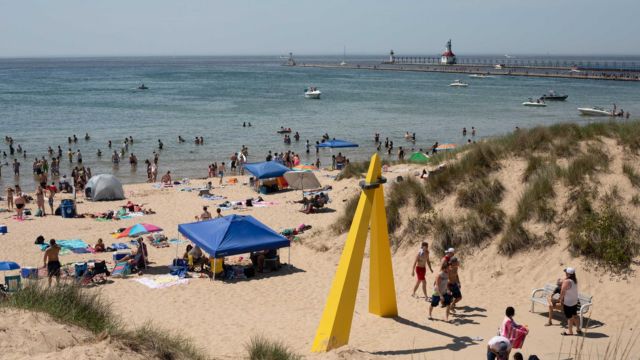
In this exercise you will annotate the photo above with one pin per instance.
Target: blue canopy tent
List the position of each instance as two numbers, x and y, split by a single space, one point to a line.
233 235
335 143
266 169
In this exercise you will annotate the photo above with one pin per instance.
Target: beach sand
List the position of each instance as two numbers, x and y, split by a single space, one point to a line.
221 317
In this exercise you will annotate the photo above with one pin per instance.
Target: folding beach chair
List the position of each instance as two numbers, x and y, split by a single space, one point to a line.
122 269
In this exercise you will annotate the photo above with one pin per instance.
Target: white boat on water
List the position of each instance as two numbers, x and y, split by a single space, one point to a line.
312 93
534 103
595 111
458 83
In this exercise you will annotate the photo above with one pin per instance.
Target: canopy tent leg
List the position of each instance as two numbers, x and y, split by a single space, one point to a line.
289 260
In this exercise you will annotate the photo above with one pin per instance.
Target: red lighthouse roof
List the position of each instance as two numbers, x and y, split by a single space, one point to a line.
448 53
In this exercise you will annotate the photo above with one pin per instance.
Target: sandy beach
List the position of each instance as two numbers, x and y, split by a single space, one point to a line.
286 305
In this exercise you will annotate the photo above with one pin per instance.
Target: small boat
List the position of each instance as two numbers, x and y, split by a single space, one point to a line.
553 96
142 87
595 111
312 93
534 103
458 83
480 76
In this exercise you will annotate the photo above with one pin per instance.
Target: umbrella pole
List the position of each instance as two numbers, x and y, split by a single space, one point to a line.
289 255
214 268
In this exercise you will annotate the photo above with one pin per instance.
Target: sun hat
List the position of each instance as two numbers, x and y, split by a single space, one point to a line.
450 250
570 270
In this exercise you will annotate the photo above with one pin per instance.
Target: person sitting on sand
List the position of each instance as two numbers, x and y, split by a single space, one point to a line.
420 269
206 215
166 178
196 256
441 294
258 258
99 247
52 262
138 259
186 251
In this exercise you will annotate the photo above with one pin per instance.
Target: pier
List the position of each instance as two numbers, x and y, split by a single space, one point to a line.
482 66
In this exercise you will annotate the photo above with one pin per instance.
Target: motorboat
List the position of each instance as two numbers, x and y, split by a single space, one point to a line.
312 93
480 76
534 103
595 111
142 87
458 83
553 96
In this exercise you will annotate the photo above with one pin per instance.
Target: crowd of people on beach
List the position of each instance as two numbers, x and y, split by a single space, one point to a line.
446 293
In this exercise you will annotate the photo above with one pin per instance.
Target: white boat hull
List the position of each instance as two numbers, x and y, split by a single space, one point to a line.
459 85
534 104
312 94
594 112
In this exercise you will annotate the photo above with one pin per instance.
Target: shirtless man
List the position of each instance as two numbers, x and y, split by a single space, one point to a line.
447 256
419 268
206 215
52 262
454 283
10 192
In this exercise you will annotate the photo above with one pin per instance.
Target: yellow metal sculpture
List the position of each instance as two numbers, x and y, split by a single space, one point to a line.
335 324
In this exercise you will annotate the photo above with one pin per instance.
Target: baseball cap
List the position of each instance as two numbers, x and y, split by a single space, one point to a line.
450 250
570 270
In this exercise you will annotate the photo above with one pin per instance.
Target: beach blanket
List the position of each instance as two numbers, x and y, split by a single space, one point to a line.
162 281
76 245
213 197
264 203
120 246
176 241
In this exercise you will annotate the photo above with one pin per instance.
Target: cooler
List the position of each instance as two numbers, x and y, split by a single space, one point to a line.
29 273
3 229
118 256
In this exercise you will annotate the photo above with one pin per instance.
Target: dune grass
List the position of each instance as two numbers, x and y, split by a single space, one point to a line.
585 165
343 223
70 304
604 235
261 348
479 191
631 174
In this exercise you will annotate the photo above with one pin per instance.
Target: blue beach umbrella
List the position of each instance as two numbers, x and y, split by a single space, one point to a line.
8 265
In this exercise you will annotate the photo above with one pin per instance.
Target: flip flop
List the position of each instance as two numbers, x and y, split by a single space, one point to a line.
548 324
564 333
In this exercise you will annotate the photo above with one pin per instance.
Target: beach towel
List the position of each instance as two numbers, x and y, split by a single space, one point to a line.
69 245
162 281
120 246
213 197
176 241
264 203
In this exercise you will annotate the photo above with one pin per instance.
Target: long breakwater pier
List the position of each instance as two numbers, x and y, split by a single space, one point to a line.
569 68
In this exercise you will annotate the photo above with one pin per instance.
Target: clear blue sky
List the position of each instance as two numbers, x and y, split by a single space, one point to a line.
255 27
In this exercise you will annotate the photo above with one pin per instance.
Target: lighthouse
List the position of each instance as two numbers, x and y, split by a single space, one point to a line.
448 57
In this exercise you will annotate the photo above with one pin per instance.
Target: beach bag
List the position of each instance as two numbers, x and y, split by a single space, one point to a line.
249 202
521 334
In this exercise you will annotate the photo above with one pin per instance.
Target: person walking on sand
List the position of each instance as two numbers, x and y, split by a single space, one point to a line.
52 195
52 262
448 255
19 201
10 193
569 301
454 283
40 200
419 270
441 293
221 172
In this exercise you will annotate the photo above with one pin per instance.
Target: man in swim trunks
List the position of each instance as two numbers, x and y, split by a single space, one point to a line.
52 262
418 268
454 283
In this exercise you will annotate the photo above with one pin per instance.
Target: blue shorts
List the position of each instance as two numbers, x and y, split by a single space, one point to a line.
435 300
455 291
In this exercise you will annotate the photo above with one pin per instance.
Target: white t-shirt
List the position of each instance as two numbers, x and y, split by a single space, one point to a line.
499 343
571 295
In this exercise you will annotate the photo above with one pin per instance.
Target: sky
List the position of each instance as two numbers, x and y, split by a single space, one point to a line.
35 28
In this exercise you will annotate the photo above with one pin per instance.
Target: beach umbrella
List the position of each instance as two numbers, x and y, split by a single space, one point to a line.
8 266
446 147
139 229
301 180
335 143
303 167
419 158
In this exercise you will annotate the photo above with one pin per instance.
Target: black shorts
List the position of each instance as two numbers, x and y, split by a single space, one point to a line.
19 206
570 311
53 268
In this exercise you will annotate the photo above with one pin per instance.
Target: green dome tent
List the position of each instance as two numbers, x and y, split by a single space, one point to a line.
419 158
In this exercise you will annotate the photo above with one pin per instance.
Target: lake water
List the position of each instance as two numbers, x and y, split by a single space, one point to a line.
44 101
